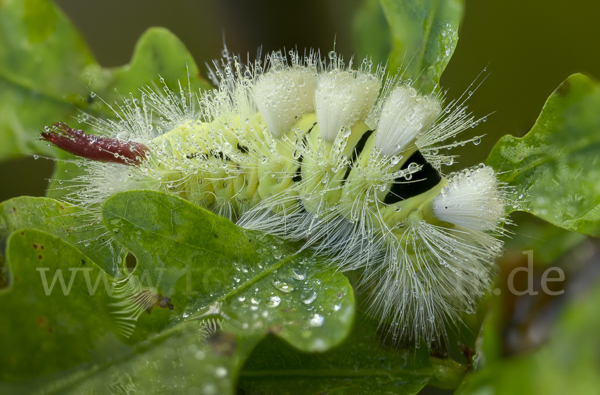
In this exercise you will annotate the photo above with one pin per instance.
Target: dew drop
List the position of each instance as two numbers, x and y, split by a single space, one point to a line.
297 273
277 253
282 285
273 301
123 136
316 320
308 296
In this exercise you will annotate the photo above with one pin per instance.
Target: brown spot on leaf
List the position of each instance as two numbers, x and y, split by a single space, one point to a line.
223 343
41 321
83 261
156 300
165 302
40 257
35 246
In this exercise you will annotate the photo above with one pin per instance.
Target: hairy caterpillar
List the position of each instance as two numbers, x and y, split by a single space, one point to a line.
310 149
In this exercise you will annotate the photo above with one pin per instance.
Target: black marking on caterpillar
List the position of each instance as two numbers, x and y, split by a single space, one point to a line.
425 179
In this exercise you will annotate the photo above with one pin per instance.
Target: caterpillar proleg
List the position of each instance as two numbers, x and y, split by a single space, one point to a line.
311 149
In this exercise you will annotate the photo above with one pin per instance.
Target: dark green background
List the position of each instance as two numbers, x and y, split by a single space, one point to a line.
528 46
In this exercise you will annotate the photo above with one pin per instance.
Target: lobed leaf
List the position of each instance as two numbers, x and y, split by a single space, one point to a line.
47 73
41 56
65 221
51 319
553 169
62 335
208 266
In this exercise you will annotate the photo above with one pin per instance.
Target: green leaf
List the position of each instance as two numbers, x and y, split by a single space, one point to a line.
424 35
68 222
59 324
47 73
186 362
48 324
371 33
159 55
41 56
208 266
210 269
554 168
366 362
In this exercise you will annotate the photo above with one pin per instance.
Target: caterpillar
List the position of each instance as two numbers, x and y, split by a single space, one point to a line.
349 160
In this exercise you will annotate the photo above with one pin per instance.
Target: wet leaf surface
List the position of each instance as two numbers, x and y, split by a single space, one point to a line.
554 168
63 220
207 266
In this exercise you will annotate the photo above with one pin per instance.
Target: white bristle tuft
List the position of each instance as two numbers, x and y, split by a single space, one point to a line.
344 98
404 116
283 95
472 200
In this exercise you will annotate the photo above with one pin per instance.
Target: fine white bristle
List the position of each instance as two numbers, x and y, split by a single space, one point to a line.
405 114
344 98
471 200
283 95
